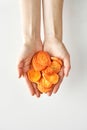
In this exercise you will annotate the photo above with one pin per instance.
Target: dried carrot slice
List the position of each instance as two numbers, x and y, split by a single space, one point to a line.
44 85
55 66
44 71
43 58
53 79
36 65
33 75
48 70
57 59
43 89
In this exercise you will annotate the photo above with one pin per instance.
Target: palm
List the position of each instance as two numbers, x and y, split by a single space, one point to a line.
24 63
26 55
56 48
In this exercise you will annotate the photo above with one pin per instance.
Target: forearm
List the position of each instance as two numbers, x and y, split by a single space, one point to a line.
30 14
52 10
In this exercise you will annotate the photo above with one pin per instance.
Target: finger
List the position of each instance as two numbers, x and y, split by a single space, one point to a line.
27 61
21 64
29 85
36 90
20 72
20 68
61 74
57 86
67 66
50 92
25 69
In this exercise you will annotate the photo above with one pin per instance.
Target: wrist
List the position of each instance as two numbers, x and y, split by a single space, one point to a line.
29 38
53 32
30 20
53 38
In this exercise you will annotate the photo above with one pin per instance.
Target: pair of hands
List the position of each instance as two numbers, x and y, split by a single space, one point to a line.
55 48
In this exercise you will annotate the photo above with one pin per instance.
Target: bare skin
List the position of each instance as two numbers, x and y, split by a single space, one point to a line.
52 13
52 16
30 12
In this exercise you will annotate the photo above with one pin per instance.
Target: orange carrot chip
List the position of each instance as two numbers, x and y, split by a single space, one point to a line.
55 66
33 75
43 58
57 59
36 65
44 85
53 79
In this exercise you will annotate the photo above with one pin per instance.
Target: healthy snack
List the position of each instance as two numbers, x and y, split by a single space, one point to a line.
41 60
44 71
44 85
33 75
52 78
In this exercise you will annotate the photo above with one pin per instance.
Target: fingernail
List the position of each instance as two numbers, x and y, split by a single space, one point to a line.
38 96
55 91
48 94
32 94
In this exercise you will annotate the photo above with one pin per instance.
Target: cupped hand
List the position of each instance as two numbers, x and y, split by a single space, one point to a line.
56 48
24 60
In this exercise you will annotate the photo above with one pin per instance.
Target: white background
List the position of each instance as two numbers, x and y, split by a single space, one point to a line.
66 110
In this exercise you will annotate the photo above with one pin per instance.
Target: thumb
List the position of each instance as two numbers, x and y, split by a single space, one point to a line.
20 69
67 66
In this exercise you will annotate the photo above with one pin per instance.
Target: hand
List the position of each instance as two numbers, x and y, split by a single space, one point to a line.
56 48
28 50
